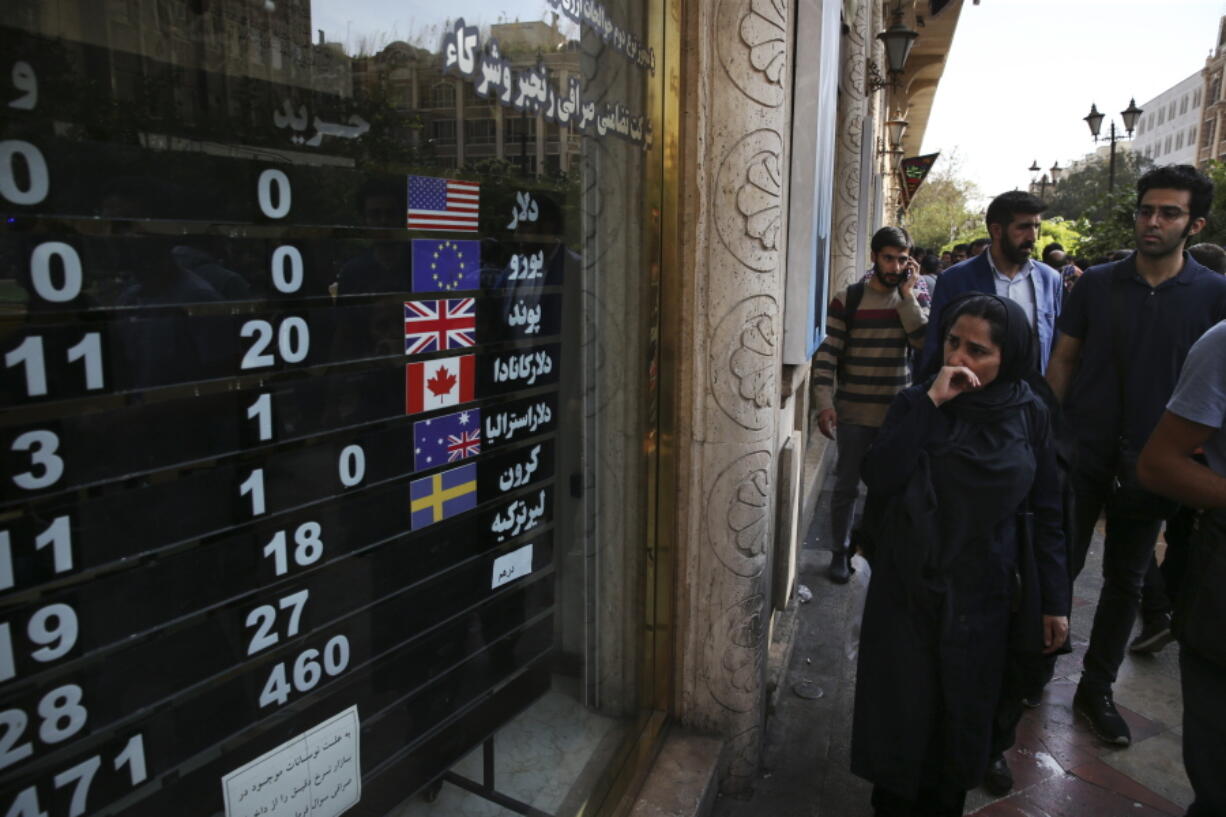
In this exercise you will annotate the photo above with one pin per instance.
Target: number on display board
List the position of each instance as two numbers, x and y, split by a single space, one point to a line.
80 779
264 620
53 630
308 547
293 342
57 536
30 356
305 671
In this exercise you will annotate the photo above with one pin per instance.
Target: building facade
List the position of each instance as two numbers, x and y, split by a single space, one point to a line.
410 418
1211 143
1166 131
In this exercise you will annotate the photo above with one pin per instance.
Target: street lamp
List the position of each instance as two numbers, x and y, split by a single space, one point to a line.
896 128
898 41
1038 184
1095 120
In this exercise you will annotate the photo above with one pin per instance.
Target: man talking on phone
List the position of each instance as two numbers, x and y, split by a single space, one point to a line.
869 327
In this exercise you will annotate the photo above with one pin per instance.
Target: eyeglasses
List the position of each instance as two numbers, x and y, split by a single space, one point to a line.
1169 213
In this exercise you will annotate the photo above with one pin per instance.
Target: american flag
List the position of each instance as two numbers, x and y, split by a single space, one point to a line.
464 444
443 204
431 326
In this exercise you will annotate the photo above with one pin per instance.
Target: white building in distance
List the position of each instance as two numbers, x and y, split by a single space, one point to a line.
1166 131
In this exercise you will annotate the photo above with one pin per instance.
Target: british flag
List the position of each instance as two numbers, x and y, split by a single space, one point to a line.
432 326
464 444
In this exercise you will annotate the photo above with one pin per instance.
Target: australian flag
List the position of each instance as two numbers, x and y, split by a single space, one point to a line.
449 438
432 326
442 496
446 266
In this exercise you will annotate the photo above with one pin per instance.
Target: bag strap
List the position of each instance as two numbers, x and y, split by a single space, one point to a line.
855 294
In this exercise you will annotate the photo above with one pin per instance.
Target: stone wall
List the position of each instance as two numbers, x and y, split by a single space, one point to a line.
733 166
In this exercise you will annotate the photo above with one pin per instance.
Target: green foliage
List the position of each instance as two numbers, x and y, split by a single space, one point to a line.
1083 193
941 211
1215 229
1064 232
1114 229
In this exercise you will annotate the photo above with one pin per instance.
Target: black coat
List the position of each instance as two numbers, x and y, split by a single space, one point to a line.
932 648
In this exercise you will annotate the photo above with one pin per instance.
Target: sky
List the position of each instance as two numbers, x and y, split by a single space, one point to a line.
1021 75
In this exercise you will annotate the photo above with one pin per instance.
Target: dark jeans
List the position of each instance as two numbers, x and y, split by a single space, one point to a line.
1154 600
1127 554
1204 732
928 803
853 443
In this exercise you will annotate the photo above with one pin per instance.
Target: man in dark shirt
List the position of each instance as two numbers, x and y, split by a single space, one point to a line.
1124 333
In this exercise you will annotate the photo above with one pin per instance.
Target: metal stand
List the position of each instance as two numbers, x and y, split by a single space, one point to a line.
485 789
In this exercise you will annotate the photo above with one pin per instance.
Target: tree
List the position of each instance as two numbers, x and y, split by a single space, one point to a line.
1082 192
941 210
1215 229
1113 229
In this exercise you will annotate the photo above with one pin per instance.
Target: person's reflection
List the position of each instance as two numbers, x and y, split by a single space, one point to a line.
229 284
166 346
384 265
372 329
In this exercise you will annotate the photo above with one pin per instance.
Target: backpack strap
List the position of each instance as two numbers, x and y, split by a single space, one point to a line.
855 294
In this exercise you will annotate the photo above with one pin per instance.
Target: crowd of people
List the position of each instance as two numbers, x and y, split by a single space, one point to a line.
997 406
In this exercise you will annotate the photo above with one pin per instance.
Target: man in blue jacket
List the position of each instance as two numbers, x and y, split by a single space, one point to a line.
1005 269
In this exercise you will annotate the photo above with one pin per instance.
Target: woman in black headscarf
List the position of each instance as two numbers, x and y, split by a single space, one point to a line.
968 560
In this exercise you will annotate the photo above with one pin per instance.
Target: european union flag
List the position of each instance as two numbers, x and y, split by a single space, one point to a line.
442 496
448 438
446 265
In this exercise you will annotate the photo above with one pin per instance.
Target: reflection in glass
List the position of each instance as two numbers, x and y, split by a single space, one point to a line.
242 204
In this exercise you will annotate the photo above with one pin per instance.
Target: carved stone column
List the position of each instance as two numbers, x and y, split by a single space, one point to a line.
733 162
848 217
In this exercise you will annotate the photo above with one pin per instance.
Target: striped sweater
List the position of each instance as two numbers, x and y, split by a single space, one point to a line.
871 365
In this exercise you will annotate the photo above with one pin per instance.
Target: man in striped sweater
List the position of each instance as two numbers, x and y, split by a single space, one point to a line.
868 328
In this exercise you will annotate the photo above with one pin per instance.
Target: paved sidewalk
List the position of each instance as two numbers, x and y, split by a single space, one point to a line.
1059 767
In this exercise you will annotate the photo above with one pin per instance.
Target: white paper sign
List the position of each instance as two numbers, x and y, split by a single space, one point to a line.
317 774
510 567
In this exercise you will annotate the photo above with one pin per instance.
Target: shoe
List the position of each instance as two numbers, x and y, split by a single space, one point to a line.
840 566
1104 719
998 780
1155 634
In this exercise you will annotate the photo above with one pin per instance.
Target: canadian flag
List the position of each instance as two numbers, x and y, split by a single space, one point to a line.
433 384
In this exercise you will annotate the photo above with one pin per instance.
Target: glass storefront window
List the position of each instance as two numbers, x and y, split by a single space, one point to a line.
328 405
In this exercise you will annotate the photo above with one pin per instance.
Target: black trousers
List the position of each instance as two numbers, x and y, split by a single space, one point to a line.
1127 554
1204 732
927 803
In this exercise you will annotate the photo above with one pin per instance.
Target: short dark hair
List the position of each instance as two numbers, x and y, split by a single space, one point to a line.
1180 177
962 248
930 265
1210 255
1006 206
978 243
1053 247
890 237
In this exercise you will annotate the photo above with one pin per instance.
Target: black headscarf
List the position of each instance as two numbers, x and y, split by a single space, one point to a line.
1018 354
983 470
